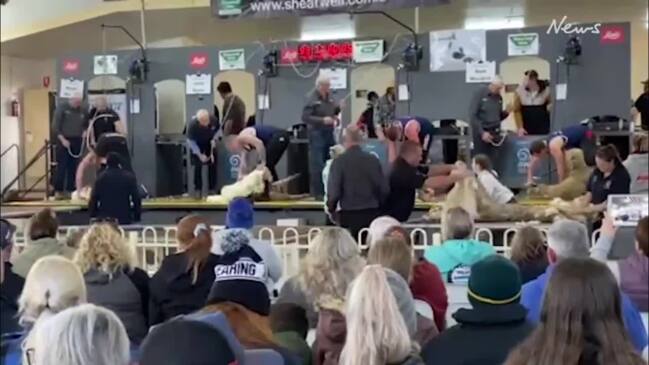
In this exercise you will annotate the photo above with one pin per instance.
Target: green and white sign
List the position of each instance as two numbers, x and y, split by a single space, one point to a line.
229 7
522 44
368 51
232 59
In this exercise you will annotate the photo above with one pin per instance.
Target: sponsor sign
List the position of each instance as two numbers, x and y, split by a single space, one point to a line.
368 51
522 44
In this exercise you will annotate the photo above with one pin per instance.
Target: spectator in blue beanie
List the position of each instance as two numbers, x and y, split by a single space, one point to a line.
241 216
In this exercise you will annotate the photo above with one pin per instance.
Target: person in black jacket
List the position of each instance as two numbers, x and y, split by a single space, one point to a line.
184 279
495 325
11 284
115 194
357 183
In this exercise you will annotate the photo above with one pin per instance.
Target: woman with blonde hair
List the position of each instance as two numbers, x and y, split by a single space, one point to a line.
82 335
181 284
108 266
331 264
53 284
529 252
392 253
376 330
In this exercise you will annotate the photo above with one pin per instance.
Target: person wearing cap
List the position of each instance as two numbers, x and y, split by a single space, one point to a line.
115 194
240 217
493 325
240 293
11 284
186 342
485 114
641 106
569 239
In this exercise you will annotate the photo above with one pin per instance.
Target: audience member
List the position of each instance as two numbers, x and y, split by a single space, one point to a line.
493 326
529 253
581 320
428 286
186 342
113 281
239 292
290 328
334 153
426 327
456 255
241 217
43 227
356 182
633 272
332 262
183 281
405 301
392 253
379 227
376 332
115 194
11 284
569 239
82 335
53 284
331 331
488 178
637 165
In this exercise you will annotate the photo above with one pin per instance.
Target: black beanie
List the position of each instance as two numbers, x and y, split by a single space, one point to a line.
494 280
186 342
240 274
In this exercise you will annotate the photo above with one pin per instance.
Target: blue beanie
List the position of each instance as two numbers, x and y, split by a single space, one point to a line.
241 214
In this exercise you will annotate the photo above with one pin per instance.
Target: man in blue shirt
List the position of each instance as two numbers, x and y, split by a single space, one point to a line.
201 138
569 239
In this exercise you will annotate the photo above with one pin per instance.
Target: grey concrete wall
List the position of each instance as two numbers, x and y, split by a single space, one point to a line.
600 84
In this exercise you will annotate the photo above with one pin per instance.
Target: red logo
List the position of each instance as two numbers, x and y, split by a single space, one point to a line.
198 60
71 66
288 56
611 34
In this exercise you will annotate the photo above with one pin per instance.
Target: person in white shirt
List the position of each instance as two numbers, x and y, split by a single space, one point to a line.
488 178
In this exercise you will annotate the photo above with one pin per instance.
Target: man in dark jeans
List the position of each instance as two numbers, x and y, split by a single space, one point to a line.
70 124
269 142
201 137
356 181
486 113
320 116
115 193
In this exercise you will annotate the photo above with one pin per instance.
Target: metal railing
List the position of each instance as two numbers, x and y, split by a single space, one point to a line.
154 242
43 151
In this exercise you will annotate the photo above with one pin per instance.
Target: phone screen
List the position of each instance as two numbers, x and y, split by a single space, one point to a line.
627 209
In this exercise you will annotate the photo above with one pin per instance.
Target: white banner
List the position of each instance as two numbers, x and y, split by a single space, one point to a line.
198 84
368 51
117 102
522 44
105 65
452 50
71 88
337 77
480 72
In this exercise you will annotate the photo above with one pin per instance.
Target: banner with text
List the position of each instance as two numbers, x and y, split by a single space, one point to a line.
275 8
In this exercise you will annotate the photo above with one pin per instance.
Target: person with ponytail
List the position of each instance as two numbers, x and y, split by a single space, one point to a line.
184 279
53 284
610 177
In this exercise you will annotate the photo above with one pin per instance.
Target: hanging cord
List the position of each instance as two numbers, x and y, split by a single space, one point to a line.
502 140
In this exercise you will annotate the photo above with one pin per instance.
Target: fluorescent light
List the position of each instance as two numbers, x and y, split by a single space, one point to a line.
494 23
327 27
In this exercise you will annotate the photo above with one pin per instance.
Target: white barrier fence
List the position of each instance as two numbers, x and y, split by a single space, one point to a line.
153 243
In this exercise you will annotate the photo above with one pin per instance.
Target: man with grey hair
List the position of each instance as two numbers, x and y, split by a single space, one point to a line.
201 139
320 115
70 124
569 239
357 183
485 115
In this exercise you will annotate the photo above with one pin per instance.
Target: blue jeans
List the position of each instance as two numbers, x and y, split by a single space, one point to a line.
320 141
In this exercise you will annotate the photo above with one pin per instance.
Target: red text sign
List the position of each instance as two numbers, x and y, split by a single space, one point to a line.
71 66
199 60
611 34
